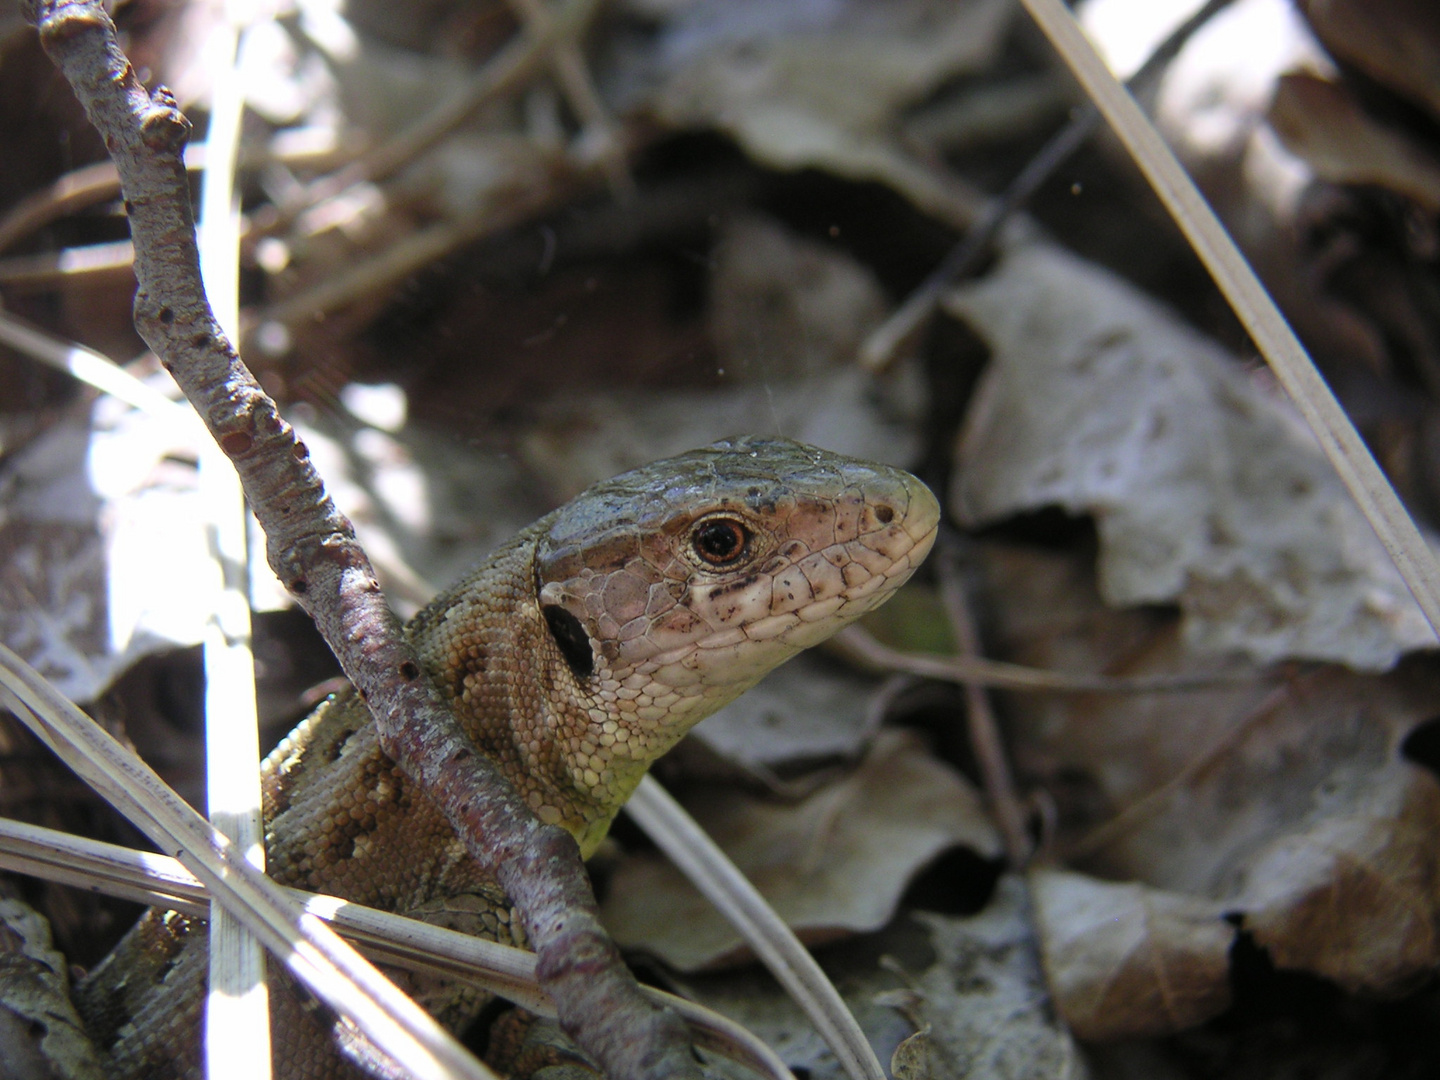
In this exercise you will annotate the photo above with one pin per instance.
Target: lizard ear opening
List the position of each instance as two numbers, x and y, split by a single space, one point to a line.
570 636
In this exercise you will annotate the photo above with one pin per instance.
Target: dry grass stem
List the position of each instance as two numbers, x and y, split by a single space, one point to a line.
90 367
317 957
1257 312
384 937
237 1010
698 857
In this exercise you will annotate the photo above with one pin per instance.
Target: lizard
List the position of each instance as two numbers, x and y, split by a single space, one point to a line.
575 655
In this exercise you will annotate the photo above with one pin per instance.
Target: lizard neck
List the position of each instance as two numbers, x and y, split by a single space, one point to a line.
575 748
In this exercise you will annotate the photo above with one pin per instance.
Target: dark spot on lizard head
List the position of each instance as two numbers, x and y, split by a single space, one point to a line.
571 639
735 586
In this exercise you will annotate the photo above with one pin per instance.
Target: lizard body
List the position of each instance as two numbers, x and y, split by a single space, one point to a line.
574 656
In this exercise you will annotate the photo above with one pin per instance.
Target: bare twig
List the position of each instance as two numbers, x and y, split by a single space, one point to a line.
570 70
73 191
313 551
984 729
885 342
857 645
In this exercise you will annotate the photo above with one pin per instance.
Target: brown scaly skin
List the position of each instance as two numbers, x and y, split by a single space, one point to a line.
575 656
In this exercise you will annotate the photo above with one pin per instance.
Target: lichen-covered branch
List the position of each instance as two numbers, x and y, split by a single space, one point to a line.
312 548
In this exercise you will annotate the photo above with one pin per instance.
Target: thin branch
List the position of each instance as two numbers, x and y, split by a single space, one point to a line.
1252 305
74 191
885 342
568 63
860 647
985 741
312 549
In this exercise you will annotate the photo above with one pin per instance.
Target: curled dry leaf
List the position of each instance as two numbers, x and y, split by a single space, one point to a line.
834 863
1322 122
1127 960
1205 491
1351 892
823 85
1293 810
981 1008
1397 42
40 1033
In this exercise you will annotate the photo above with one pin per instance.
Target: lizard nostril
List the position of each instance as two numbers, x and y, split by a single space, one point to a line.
886 514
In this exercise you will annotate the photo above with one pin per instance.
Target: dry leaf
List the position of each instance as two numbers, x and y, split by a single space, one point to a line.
1205 491
86 589
981 1008
1352 892
1323 123
40 1033
1291 808
585 439
783 305
808 711
1395 42
1124 960
834 863
822 85
786 315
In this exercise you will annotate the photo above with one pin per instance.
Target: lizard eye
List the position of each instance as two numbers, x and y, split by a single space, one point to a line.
720 541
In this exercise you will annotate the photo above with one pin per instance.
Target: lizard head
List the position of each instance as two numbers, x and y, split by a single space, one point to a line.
673 588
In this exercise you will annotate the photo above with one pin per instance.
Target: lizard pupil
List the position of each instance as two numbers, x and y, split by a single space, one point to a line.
720 541
570 636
